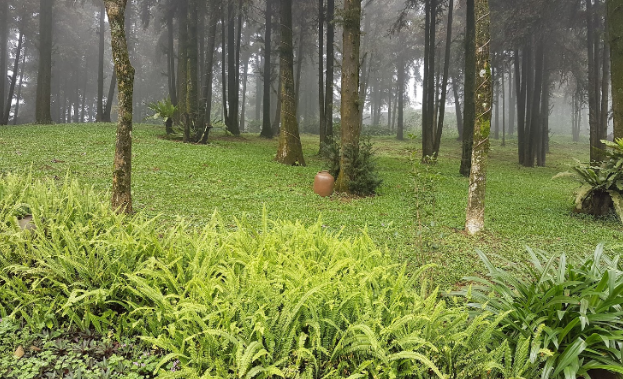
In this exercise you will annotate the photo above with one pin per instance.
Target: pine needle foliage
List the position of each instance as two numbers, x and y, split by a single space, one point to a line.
282 300
363 174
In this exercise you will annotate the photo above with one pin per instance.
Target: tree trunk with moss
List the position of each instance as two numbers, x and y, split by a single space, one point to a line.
121 186
469 88
351 125
475 220
615 34
290 151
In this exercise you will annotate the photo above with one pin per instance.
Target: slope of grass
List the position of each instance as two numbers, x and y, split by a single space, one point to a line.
238 177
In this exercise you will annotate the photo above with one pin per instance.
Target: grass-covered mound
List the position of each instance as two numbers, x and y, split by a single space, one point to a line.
281 300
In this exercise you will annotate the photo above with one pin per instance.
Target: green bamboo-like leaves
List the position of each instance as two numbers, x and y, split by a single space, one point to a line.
572 312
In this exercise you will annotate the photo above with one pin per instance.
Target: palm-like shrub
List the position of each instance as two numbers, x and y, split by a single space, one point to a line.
602 187
571 312
164 110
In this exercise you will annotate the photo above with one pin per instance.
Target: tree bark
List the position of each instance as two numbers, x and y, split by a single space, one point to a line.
351 126
469 112
44 75
109 99
171 55
444 82
192 89
615 37
328 96
429 117
321 111
9 100
121 189
594 103
100 66
290 151
233 125
4 39
19 89
457 106
182 59
475 215
267 131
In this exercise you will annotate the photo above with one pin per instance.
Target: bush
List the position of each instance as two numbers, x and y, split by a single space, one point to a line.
283 300
571 312
363 174
602 187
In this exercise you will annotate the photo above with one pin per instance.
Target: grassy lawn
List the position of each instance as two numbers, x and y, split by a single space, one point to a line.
238 178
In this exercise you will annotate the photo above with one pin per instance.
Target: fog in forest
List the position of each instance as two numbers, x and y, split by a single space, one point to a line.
410 68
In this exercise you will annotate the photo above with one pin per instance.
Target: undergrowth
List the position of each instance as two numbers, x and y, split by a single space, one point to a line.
278 300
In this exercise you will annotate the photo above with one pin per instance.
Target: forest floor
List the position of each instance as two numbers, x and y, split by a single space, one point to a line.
418 214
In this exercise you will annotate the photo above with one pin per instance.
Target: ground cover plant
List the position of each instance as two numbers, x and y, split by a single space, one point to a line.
283 300
572 312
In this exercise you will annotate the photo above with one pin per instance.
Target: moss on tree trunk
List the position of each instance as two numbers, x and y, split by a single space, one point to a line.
475 215
121 188
350 91
290 150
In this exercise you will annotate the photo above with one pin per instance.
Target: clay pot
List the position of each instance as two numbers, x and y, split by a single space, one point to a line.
323 183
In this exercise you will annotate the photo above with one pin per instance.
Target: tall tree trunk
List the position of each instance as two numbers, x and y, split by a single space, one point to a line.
9 100
444 82
121 189
267 131
19 89
171 56
328 96
109 99
594 102
615 37
232 83
351 126
207 85
428 124
44 75
605 91
475 215
245 75
182 59
100 65
299 69
4 39
290 151
511 102
457 107
322 125
400 69
192 72
496 101
535 132
503 77
224 65
469 112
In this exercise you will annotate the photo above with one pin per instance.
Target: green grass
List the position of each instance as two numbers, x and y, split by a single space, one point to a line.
238 177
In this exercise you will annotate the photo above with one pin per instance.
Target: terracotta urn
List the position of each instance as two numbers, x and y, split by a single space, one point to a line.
323 183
